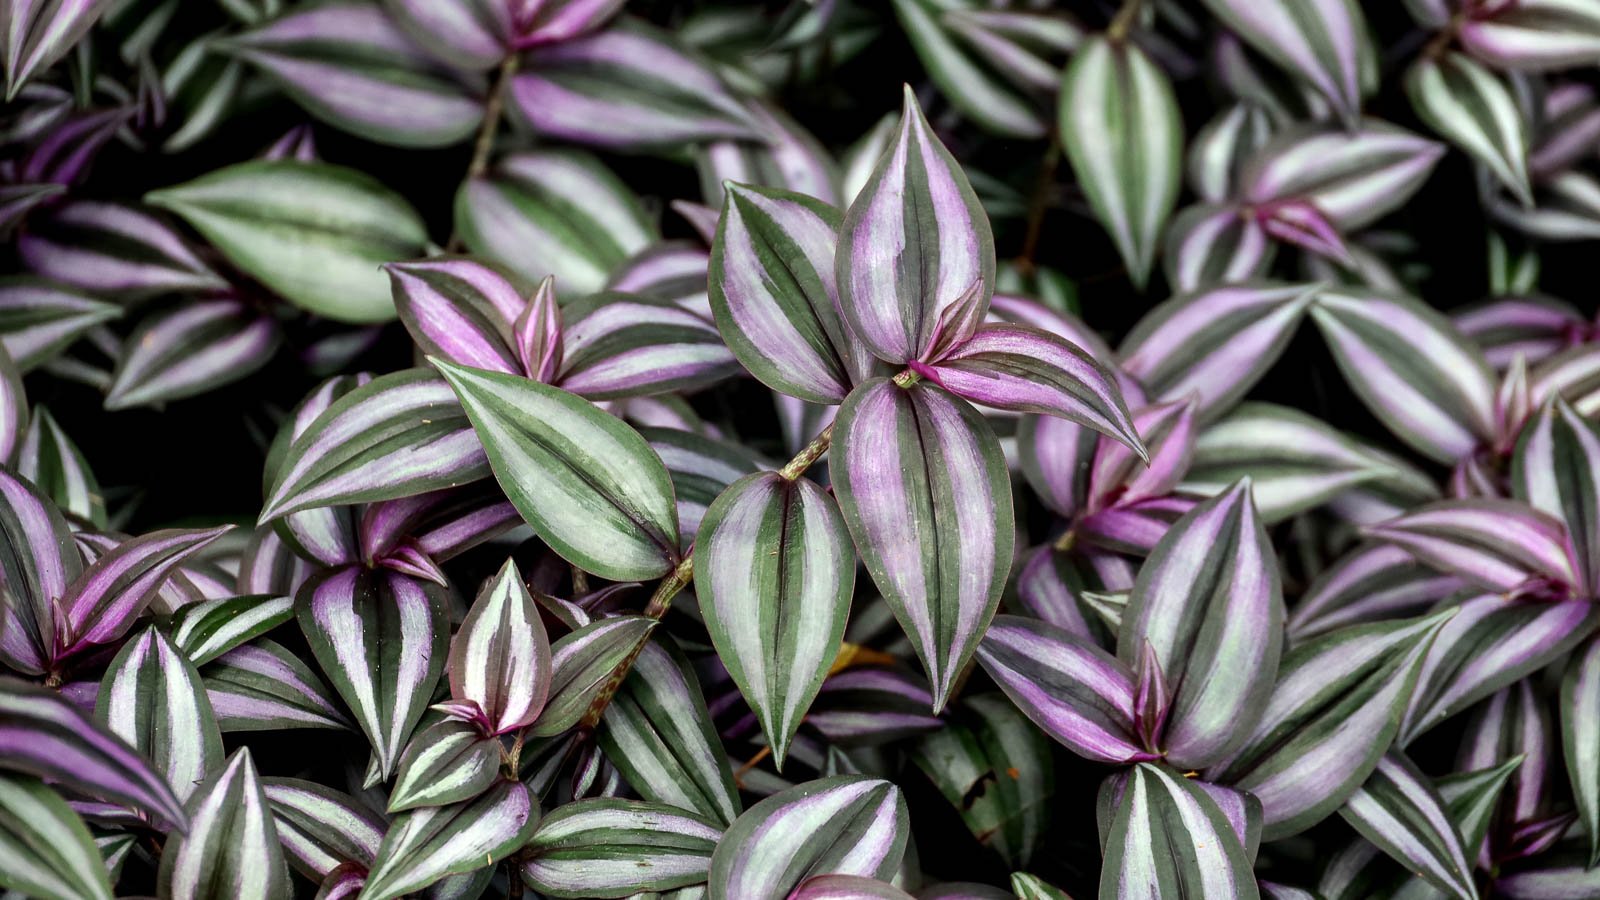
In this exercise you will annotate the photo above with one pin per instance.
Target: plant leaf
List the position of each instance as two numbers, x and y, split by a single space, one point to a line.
425 845
459 310
914 244
500 657
261 686
658 732
191 350
231 849
448 762
321 829
36 36
1553 470
398 435
1333 713
844 825
1079 694
1322 42
50 459
206 630
580 665
1209 604
609 848
773 293
924 490
1398 810
1352 177
152 697
114 249
1123 134
1170 839
1580 738
45 850
1476 111
312 232
1501 545
617 345
39 318
381 637
588 484
1535 35
775 571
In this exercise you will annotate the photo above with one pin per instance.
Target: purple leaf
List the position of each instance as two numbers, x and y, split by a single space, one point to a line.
37 562
460 310
606 847
1215 244
924 490
231 849
1501 545
1553 470
1350 177
500 657
844 825
262 686
847 887
1580 737
38 34
915 243
101 604
1209 607
1079 694
43 734
617 345
191 350
449 762
1118 478
1169 838
580 665
1322 42
1534 328
13 406
1017 367
1399 810
467 34
1375 581
1533 35
322 829
425 845
39 318
114 249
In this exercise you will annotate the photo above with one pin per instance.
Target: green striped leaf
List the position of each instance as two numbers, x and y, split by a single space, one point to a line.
925 492
580 665
1475 110
231 849
426 845
262 686
206 630
1208 607
39 318
775 571
313 233
1398 810
701 468
52 461
1295 461
322 829
1412 368
1554 469
773 293
608 848
588 484
46 852
152 697
658 732
13 406
381 638
1032 887
1123 134
1334 712
396 436
500 657
996 769
1169 838
557 212
113 249
1580 738
350 65
448 762
845 825
1323 42
619 345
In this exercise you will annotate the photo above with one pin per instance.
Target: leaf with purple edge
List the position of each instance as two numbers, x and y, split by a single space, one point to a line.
1322 42
1208 602
425 845
231 848
45 735
1374 581
1398 809
500 657
460 310
774 296
1215 244
1079 694
845 825
613 848
448 762
1117 477
924 490
352 66
381 637
1333 713
870 706
775 571
39 318
53 462
1123 134
1169 838
553 212
1055 456
152 697
1534 35
619 345
1026 369
48 852
1553 469
1501 545
13 407
37 561
587 483
262 686
701 468
1534 328
114 249
914 243
38 34
1580 737
659 734
396 436
101 604
1490 643
191 350
1350 177
1216 343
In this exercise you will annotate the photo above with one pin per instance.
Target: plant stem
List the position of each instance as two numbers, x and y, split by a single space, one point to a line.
1123 21
492 109
807 456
